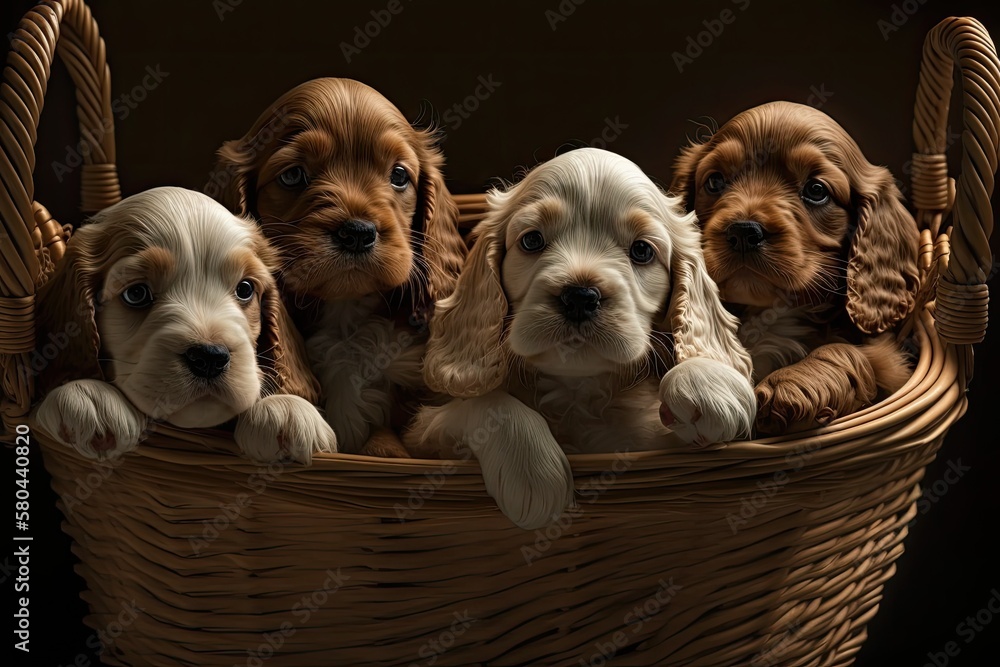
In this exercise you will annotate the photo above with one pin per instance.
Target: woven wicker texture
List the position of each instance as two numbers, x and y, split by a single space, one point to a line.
32 241
760 553
962 296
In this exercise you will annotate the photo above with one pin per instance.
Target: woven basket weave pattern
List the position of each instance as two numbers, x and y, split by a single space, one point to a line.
766 552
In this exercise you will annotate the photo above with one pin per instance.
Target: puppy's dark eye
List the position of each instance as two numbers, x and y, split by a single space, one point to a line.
398 178
244 291
641 252
137 296
815 193
293 178
532 242
715 183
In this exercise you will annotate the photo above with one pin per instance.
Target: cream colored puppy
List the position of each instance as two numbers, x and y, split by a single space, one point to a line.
169 311
557 336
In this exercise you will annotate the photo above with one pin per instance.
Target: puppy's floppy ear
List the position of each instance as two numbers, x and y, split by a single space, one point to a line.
438 242
66 339
882 276
700 326
465 354
683 184
281 352
233 183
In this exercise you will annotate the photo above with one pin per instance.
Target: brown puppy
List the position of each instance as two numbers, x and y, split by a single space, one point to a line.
813 246
353 198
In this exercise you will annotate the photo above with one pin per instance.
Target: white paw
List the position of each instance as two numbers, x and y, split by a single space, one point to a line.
283 427
705 401
528 475
92 417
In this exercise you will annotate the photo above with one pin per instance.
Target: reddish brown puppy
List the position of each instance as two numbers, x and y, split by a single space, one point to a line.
353 198
812 246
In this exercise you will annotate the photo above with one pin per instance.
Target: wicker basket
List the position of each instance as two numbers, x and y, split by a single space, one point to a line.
760 553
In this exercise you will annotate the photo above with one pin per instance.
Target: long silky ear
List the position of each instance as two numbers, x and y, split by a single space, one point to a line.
882 277
701 327
466 356
233 182
683 184
67 343
441 249
281 352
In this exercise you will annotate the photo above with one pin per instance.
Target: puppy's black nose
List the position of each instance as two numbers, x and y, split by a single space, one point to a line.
356 236
207 361
580 303
745 235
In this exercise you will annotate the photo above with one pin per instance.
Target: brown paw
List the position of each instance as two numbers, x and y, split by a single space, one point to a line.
384 444
831 382
788 403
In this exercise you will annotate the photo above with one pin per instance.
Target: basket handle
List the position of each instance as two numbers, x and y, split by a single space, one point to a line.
30 241
962 301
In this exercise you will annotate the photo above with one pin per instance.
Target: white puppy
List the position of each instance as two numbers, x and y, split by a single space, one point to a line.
165 308
557 334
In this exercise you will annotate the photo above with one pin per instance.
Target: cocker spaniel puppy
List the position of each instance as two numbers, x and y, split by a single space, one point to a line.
353 198
553 340
166 309
813 246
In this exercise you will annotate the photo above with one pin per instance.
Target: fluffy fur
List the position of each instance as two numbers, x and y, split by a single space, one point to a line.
364 313
204 278
534 377
829 267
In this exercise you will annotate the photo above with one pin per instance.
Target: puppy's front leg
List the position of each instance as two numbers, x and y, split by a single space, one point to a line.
832 381
93 417
283 426
705 401
525 469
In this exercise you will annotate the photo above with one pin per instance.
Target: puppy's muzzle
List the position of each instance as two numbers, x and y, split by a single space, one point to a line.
580 304
207 361
356 237
745 236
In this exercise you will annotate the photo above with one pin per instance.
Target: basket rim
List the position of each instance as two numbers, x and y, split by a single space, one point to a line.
924 408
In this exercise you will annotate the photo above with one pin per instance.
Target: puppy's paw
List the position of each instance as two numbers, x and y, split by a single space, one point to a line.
706 401
530 478
283 426
790 402
92 417
831 382
385 444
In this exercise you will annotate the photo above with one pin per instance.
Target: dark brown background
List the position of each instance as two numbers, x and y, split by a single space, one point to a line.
605 61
